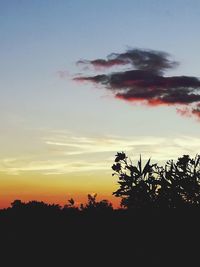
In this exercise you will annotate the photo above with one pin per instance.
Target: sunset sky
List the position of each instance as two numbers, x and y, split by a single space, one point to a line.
62 122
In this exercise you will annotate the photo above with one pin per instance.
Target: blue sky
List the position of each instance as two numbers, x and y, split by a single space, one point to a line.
38 108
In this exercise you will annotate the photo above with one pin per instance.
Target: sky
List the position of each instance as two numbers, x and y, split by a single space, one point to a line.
61 124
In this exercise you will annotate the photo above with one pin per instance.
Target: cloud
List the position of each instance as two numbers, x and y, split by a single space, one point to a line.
147 60
196 112
146 83
63 165
87 154
108 144
102 63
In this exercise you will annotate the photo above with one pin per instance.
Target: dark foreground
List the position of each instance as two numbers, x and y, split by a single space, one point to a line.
71 238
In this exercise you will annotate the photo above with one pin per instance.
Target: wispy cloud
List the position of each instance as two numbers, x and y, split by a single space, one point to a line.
49 167
92 154
144 82
101 150
83 145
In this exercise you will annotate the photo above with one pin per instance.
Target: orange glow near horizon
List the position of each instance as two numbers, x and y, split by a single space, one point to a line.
55 189
56 199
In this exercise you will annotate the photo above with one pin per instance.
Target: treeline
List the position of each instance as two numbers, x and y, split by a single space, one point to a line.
158 221
34 206
141 186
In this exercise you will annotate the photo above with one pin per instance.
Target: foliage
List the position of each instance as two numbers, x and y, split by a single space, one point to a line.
174 185
92 205
98 206
177 184
180 182
137 184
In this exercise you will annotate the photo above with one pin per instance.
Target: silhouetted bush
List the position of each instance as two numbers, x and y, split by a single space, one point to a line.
149 226
137 184
175 185
103 206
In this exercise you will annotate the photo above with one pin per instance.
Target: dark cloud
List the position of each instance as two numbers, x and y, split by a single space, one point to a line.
196 112
190 112
148 60
102 63
146 83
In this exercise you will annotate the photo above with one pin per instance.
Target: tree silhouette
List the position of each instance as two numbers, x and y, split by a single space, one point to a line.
96 206
180 183
175 185
70 204
16 204
137 184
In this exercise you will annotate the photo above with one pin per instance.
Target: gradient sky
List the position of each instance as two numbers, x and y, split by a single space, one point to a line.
58 137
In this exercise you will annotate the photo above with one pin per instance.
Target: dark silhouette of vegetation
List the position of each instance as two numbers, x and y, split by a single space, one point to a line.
137 184
176 185
158 220
96 206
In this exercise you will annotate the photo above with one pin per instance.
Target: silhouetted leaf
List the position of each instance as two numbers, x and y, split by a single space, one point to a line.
116 167
147 168
120 156
140 165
